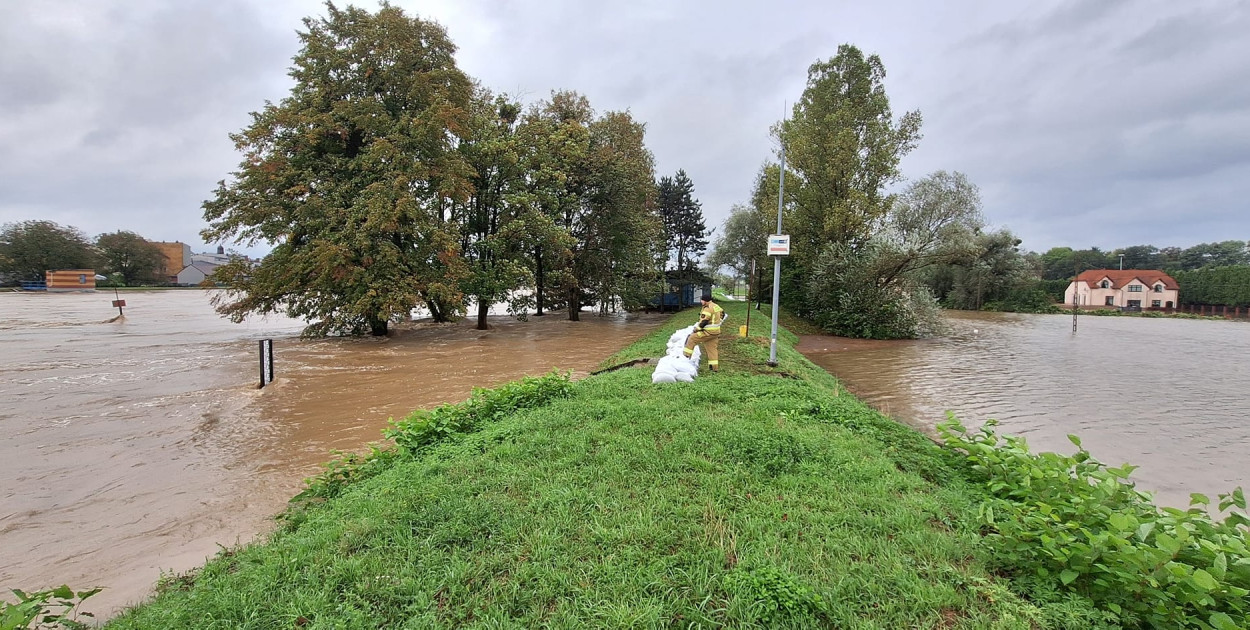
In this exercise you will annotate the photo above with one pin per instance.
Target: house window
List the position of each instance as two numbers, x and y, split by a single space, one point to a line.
1156 303
1134 288
82 278
1134 303
1110 300
1105 284
1158 288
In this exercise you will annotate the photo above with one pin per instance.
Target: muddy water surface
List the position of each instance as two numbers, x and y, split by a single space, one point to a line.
1169 395
140 446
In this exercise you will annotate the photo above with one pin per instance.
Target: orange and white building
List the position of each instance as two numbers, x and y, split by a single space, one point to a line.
70 280
1134 288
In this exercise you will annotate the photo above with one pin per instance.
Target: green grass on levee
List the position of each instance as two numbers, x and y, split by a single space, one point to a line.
757 497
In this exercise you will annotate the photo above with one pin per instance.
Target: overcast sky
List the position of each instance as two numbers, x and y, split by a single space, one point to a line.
1084 122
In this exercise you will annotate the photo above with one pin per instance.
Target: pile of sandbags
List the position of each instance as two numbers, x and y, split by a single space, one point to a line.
674 367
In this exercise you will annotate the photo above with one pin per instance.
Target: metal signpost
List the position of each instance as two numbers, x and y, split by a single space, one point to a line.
778 246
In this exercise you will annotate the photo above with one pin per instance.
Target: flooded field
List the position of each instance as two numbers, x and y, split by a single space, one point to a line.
1169 395
141 446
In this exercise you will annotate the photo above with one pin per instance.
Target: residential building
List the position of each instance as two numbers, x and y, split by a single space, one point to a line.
196 273
177 255
1124 288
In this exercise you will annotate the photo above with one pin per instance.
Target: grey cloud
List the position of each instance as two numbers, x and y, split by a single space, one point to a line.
1069 115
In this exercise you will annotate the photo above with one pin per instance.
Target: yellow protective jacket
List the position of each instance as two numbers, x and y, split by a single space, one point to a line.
710 318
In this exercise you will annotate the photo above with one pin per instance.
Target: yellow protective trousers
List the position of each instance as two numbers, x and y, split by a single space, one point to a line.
710 341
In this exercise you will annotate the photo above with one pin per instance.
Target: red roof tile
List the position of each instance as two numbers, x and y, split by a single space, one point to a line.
1119 278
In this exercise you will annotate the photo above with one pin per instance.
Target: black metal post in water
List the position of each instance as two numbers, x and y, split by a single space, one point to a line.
266 361
118 302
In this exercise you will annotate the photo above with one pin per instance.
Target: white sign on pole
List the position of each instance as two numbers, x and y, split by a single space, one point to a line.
778 244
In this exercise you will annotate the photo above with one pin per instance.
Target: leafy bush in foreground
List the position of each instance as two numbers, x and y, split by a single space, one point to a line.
52 608
1074 519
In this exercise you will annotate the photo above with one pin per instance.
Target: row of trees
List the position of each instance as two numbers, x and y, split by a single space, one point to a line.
860 255
389 179
1060 263
29 248
868 263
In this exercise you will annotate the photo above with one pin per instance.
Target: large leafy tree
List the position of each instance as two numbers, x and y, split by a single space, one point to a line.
844 146
134 257
556 139
29 248
684 226
875 288
1219 254
624 236
353 176
742 240
1064 263
994 274
492 229
1140 257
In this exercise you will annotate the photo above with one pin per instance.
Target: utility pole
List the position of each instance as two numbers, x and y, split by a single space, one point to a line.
1121 263
781 196
1075 296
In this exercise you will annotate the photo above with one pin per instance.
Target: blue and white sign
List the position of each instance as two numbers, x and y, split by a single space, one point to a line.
778 244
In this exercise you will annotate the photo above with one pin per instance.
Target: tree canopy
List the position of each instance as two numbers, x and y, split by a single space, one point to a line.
685 230
29 248
389 180
130 255
353 176
844 146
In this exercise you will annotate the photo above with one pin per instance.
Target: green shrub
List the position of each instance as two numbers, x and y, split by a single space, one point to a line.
1072 522
52 608
423 428
772 596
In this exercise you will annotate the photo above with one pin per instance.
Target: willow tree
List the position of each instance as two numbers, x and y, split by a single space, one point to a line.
351 177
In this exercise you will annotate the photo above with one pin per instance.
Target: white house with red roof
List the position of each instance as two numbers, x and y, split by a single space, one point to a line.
1144 288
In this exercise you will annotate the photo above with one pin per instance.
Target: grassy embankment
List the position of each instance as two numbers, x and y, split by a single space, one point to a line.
756 497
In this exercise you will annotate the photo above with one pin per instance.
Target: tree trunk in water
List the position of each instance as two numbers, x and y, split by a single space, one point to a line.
377 327
538 256
575 304
483 308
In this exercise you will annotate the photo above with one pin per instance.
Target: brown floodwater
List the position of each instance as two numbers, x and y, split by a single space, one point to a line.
142 445
1169 395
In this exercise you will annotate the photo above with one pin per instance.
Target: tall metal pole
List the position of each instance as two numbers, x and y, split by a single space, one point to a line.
781 195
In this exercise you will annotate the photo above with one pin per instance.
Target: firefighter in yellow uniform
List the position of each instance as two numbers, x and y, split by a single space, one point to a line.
707 332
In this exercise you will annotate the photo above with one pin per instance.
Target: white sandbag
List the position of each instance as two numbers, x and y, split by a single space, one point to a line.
668 363
684 377
684 366
663 377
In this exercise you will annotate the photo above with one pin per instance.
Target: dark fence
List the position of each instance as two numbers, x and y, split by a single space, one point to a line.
1210 310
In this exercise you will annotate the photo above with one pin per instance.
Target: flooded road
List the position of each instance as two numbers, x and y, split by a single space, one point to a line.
1169 395
142 445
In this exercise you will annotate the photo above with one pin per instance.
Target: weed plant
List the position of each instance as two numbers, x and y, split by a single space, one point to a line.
1074 520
